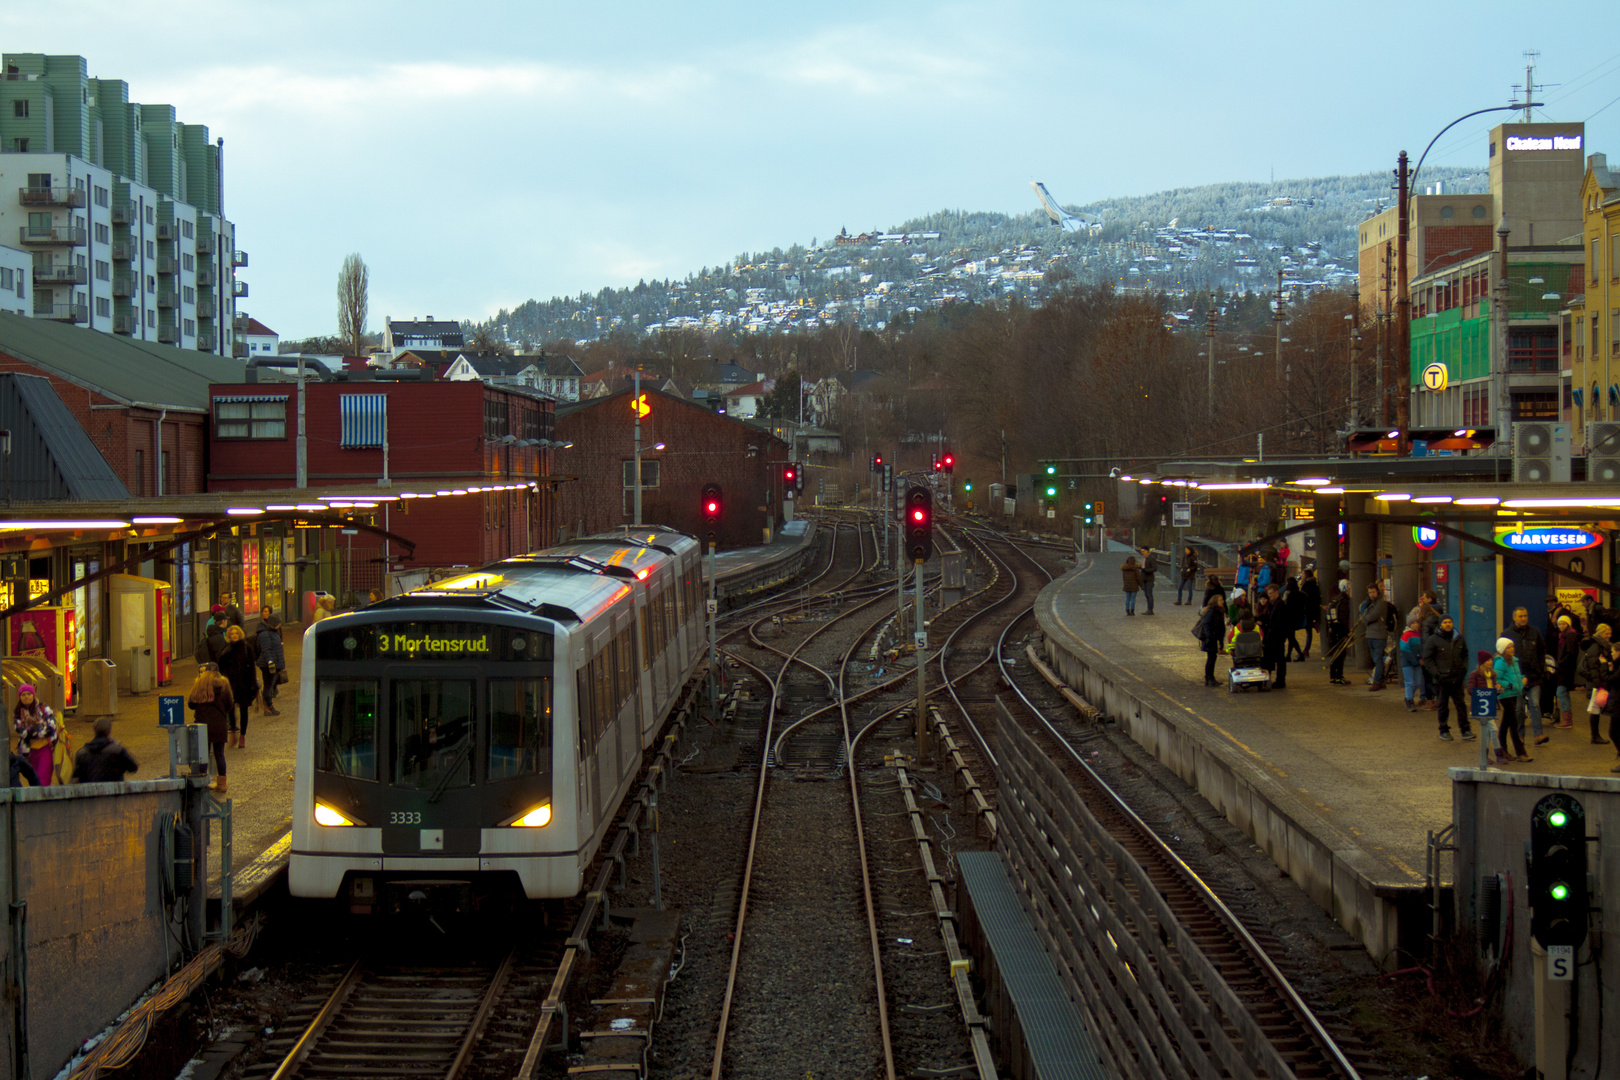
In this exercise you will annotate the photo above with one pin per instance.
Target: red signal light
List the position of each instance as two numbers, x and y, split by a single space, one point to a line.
713 508
918 515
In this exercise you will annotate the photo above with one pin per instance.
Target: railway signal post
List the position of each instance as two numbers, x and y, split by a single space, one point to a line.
919 530
712 505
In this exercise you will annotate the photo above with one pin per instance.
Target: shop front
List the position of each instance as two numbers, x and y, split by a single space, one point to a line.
1580 548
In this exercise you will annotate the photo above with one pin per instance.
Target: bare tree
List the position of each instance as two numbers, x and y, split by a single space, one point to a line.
353 286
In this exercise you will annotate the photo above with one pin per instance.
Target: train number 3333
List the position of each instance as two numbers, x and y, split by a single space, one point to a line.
404 817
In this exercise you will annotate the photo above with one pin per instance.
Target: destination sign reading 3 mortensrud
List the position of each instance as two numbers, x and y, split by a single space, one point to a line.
447 641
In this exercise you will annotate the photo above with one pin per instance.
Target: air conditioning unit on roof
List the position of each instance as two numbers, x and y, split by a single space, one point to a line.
1540 452
1603 452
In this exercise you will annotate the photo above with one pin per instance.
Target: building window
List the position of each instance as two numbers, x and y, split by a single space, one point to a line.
103 307
150 216
188 294
250 418
19 108
186 262
497 420
188 327
103 197
20 145
103 234
364 420
1537 405
103 270
649 479
1614 257
6 276
151 251
187 229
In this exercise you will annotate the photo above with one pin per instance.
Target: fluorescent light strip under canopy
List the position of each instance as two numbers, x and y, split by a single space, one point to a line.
1554 504
1253 485
1392 496
46 526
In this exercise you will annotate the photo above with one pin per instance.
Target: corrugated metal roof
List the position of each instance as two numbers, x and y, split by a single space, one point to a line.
122 369
51 456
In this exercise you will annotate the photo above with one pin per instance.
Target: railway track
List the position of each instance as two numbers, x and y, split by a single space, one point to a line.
1242 955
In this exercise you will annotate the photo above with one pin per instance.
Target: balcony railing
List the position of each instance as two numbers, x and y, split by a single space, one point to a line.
123 211
205 242
239 350
168 298
239 322
51 196
206 339
165 230
60 274
167 264
239 289
206 276
239 258
167 334
125 324
124 285
64 312
123 251
52 234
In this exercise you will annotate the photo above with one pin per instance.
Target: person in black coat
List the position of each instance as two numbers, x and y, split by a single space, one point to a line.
102 759
1311 590
239 664
1445 661
210 699
1278 627
1293 601
1531 651
1212 634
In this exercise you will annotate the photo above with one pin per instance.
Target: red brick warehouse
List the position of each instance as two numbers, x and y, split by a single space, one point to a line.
440 436
699 447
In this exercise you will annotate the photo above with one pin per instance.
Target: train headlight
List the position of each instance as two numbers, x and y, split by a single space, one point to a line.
537 818
325 815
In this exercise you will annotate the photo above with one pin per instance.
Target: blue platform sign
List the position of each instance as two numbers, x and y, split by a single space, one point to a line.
1484 702
171 711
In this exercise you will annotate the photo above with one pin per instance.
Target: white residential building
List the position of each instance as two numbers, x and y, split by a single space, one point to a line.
260 339
14 291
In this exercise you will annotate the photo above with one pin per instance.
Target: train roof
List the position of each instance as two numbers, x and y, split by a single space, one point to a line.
668 540
567 590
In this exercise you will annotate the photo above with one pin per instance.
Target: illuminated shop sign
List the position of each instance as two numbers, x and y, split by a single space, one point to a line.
1426 537
1548 142
1556 538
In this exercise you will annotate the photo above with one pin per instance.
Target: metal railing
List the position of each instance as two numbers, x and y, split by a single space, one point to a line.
239 258
53 234
125 324
50 196
206 339
168 298
239 288
76 313
123 251
60 274
168 335
124 285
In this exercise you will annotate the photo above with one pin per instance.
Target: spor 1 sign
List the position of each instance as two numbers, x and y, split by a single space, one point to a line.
1548 538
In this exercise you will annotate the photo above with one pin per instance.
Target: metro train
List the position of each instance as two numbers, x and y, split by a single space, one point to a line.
474 738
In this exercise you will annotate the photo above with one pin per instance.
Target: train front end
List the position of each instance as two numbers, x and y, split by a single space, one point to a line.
428 762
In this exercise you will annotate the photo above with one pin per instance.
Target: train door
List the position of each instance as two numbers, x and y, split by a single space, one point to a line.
433 761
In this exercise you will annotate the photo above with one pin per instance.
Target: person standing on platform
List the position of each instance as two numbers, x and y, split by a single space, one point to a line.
211 702
1277 626
1597 671
272 659
1213 588
1410 652
1133 583
1445 660
1531 652
1483 677
1509 697
1311 590
1293 601
35 725
233 614
1568 658
1189 574
1150 567
239 665
1338 632
1245 573
1377 619
102 759
1212 635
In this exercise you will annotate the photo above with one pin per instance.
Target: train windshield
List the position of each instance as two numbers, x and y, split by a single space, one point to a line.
433 733
346 727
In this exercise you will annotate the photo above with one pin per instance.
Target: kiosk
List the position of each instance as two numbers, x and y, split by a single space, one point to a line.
140 631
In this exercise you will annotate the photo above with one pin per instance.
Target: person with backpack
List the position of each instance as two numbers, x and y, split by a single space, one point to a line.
1211 633
1445 660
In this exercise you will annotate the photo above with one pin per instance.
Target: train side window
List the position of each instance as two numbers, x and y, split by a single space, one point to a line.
646 639
519 726
433 733
346 727
587 729
628 680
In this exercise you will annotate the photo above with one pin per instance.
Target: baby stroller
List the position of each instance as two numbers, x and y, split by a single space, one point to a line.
1247 668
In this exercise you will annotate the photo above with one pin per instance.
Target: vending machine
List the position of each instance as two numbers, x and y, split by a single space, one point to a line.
46 633
141 631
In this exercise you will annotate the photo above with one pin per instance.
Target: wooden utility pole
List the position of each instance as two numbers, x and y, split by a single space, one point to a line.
1403 305
1211 333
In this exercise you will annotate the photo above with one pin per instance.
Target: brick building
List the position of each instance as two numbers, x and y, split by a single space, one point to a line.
142 404
698 447
424 436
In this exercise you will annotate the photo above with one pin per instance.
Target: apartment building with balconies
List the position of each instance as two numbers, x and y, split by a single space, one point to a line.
119 206
15 265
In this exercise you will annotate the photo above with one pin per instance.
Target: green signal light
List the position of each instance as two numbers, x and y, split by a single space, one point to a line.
1558 819
968 486
1559 891
1051 493
1051 469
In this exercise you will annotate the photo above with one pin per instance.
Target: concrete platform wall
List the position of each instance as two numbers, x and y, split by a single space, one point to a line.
85 861
1325 861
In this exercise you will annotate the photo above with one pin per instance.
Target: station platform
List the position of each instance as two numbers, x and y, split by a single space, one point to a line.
742 572
1339 785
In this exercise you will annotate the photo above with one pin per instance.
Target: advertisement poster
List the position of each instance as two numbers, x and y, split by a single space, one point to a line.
250 576
1574 599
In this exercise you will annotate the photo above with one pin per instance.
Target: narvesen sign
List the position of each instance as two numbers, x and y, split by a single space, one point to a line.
1549 142
1549 539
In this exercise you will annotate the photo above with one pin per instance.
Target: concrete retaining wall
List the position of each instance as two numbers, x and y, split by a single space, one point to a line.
1323 859
87 868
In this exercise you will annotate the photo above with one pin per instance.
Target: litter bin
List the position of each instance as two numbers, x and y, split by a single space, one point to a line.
98 688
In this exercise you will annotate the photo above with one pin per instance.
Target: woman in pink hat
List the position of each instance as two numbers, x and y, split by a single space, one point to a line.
35 725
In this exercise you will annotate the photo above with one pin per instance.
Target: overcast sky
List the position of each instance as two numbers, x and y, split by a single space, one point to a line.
478 154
